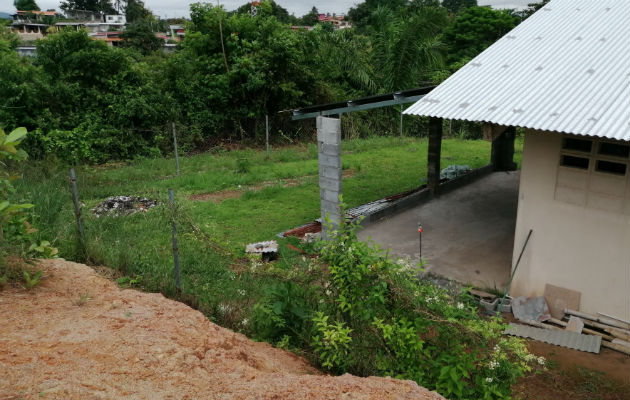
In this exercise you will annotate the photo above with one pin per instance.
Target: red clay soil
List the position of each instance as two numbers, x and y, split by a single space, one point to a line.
79 336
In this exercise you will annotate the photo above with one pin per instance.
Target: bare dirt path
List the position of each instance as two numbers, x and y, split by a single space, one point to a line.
79 336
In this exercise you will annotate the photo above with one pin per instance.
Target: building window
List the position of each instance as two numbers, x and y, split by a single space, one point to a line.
594 173
574 162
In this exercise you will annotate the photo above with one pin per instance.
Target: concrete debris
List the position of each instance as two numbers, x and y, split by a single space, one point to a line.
123 205
270 246
454 171
268 250
534 309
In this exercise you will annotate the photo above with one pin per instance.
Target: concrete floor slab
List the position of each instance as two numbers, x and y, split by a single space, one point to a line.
468 233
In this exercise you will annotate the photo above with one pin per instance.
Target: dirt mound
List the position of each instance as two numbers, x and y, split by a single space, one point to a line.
79 336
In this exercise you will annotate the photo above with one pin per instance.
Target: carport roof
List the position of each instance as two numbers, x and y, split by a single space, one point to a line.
566 69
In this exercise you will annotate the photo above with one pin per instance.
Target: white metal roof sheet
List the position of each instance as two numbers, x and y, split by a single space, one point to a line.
572 340
566 69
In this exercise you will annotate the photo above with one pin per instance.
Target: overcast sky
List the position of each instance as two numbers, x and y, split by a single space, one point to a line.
179 8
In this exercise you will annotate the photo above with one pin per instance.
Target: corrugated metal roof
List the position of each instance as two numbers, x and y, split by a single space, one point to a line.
566 69
572 340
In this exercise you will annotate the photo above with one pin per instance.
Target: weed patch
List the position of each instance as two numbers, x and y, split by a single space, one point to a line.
353 310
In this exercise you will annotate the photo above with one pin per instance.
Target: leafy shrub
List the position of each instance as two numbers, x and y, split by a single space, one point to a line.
368 315
16 232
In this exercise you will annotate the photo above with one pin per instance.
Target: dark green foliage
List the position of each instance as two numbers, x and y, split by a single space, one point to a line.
406 47
532 8
474 30
85 101
19 90
267 8
362 17
360 312
136 11
7 38
311 18
262 71
26 5
102 6
458 6
140 36
98 105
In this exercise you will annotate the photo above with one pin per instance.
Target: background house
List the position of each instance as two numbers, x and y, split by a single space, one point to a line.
564 76
32 25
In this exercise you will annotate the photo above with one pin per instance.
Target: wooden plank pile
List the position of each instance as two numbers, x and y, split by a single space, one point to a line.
615 333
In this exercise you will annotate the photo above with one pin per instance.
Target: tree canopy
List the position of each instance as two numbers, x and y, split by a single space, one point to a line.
102 6
85 101
475 29
26 5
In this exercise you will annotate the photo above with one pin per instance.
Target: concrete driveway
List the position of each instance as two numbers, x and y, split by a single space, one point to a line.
468 233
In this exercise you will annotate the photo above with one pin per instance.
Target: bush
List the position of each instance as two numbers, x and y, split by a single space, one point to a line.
369 315
16 231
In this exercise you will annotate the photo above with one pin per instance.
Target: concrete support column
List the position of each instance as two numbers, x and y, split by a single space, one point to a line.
502 156
434 154
329 157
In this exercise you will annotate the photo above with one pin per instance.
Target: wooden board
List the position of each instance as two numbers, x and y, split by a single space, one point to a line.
559 298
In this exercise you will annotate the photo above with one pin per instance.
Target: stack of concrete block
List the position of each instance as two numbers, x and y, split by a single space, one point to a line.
329 156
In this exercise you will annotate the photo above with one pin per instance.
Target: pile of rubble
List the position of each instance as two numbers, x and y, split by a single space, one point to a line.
123 205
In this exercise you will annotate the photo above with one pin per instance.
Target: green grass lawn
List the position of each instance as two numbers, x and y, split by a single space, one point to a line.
267 196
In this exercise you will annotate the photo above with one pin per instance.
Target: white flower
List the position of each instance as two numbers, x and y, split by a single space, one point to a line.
496 348
242 292
328 292
224 308
541 360
244 322
493 364
489 380
460 306
321 301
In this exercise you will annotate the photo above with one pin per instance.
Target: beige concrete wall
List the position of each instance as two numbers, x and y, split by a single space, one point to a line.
573 246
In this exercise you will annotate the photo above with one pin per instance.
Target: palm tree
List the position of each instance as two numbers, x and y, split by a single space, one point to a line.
406 47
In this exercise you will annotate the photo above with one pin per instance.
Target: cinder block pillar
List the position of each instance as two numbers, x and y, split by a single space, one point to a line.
434 154
329 157
502 156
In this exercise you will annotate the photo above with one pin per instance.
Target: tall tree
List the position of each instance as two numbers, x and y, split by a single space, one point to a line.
311 18
140 36
361 14
26 5
457 6
99 6
136 11
267 8
475 29
407 47
532 8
